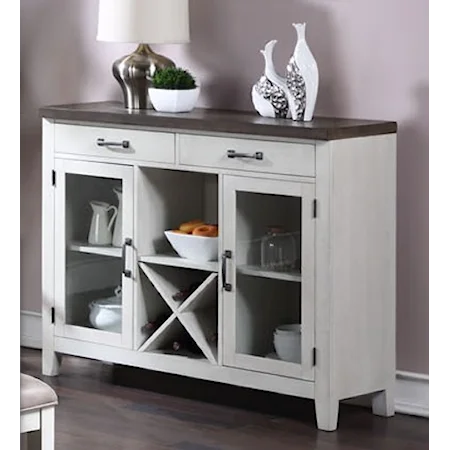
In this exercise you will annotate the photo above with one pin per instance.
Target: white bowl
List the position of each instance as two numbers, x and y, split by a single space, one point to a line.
106 314
287 340
174 101
195 248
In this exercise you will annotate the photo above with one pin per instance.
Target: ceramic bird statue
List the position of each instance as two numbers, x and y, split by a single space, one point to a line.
269 94
302 77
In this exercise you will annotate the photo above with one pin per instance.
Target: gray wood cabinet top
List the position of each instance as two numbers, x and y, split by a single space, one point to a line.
220 121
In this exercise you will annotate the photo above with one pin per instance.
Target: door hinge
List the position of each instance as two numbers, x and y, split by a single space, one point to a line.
53 315
314 357
53 177
315 208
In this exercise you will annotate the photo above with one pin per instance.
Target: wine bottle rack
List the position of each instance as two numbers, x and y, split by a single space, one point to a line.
197 314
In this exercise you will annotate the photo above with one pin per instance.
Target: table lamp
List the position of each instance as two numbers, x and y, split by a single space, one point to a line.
142 22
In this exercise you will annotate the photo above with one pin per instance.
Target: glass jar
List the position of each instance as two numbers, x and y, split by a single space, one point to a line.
278 250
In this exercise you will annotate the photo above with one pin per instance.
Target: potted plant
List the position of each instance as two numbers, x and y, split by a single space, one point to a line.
173 89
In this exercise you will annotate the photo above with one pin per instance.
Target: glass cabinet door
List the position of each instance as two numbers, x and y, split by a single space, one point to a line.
268 276
94 252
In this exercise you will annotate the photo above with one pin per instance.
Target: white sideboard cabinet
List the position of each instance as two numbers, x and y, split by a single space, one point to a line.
330 184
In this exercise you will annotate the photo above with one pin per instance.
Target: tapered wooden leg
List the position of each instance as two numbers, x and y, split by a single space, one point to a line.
327 412
383 403
51 362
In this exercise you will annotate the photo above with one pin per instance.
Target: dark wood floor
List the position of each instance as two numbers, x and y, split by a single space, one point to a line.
99 410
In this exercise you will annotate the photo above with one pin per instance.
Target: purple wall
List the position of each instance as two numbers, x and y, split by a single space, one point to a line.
373 63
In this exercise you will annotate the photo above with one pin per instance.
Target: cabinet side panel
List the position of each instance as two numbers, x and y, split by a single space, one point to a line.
325 383
363 258
49 361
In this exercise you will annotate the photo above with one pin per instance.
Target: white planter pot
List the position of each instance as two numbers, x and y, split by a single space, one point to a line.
169 100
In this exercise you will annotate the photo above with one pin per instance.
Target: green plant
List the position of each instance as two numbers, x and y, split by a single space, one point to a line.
173 78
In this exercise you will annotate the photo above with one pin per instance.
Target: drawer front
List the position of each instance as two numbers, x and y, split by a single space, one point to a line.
251 155
115 143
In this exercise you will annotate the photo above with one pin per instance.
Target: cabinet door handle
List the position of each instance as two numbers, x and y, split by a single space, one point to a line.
102 143
234 154
226 255
126 272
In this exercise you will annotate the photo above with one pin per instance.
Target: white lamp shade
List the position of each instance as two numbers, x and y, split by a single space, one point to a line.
144 21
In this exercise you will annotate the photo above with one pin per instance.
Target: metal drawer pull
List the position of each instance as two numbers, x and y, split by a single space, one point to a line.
102 143
257 155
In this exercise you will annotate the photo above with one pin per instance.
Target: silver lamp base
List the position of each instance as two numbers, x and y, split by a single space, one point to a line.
134 73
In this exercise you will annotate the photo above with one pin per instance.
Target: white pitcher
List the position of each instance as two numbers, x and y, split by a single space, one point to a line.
117 235
100 231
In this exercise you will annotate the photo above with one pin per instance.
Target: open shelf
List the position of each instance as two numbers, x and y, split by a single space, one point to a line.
173 330
196 315
204 296
168 281
173 260
202 326
165 200
84 247
162 332
257 271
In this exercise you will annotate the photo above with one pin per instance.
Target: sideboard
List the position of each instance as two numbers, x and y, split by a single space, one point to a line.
330 182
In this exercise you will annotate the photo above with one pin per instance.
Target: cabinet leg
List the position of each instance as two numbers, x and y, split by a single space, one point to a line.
51 362
383 403
327 412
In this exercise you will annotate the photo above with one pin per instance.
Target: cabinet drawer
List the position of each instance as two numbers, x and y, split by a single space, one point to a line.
125 144
259 156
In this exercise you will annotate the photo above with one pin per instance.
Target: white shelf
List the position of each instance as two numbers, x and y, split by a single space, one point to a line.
257 271
84 247
173 260
174 356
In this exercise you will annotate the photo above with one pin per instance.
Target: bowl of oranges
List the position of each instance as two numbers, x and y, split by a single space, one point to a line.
195 240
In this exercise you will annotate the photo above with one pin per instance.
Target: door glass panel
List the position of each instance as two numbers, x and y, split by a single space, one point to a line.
268 275
93 264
